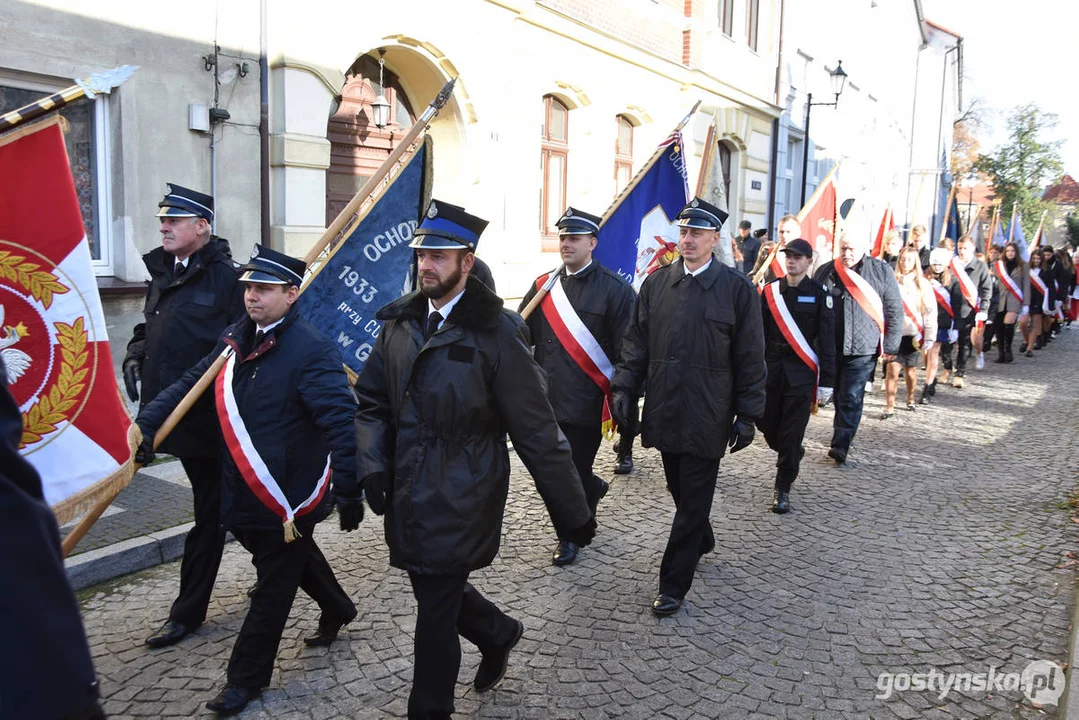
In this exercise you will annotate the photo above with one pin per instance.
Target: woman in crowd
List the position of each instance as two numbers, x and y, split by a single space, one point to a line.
983 338
919 328
1073 311
1014 279
946 296
1039 303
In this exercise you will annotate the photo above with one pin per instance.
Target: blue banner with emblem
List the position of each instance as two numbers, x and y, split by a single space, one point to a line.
371 267
639 235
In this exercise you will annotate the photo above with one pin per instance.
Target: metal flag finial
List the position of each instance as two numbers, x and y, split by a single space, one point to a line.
444 94
103 82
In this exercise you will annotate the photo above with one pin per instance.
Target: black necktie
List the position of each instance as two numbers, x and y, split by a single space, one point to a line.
433 321
258 338
178 271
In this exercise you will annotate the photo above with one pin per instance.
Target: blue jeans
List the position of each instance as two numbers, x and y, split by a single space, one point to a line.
852 373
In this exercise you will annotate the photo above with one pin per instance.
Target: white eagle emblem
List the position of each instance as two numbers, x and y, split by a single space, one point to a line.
16 361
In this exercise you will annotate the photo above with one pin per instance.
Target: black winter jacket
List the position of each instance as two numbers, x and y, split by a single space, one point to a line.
293 395
697 341
979 275
856 333
184 319
811 307
433 416
604 302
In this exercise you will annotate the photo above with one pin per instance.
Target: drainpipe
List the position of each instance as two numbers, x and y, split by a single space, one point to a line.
773 170
264 130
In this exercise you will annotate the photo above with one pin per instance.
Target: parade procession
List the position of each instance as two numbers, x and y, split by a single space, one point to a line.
768 407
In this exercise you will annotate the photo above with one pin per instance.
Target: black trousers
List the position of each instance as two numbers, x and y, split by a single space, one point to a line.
584 443
786 414
447 609
204 544
282 568
691 481
964 326
624 446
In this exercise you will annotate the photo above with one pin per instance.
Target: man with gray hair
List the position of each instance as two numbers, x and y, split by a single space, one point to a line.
868 311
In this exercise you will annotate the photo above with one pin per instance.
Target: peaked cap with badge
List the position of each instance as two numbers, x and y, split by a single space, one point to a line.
271 267
700 214
578 222
447 227
183 202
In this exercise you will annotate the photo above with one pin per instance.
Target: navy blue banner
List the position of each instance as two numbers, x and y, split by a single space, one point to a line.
641 231
370 268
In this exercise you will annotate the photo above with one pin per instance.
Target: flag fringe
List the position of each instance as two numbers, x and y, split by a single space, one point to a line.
80 503
31 128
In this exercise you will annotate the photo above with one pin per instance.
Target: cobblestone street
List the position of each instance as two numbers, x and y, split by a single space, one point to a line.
937 546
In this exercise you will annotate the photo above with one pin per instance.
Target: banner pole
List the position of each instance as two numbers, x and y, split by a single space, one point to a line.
541 293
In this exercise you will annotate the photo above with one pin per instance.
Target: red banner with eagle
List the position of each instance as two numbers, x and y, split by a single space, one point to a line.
76 430
818 219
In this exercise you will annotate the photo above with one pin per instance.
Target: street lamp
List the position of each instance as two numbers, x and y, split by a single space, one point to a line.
839 81
380 108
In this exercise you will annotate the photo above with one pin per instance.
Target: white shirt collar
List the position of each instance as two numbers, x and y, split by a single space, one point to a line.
699 270
183 262
578 272
445 310
269 327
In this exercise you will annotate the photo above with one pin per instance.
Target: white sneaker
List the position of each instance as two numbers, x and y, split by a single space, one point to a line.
979 364
869 387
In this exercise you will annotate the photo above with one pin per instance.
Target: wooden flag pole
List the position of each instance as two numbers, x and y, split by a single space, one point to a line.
97 84
538 297
338 226
947 214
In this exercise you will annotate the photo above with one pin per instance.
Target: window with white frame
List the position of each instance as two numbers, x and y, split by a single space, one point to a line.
87 151
791 178
726 17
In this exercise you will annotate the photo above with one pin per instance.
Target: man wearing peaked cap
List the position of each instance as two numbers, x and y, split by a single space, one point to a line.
695 341
799 347
192 296
577 329
450 375
284 405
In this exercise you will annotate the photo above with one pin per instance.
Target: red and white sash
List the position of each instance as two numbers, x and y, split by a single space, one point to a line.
966 285
252 468
579 342
913 316
791 332
1039 284
944 298
863 293
1009 282
778 268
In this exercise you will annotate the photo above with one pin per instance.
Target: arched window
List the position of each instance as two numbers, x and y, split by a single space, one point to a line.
623 154
553 158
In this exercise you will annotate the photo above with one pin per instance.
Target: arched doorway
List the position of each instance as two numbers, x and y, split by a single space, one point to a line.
357 146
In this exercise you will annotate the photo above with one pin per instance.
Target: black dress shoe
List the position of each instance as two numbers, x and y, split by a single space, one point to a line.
665 605
170 633
781 502
837 454
565 553
493 665
232 700
624 466
603 487
327 631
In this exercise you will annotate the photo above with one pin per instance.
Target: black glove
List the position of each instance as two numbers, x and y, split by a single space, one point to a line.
132 376
145 454
583 535
624 411
350 512
374 489
742 432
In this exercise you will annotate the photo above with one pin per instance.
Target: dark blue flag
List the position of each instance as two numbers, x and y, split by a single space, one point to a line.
370 267
640 234
952 231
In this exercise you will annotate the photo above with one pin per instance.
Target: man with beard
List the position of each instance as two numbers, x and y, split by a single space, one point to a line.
696 341
450 375
576 335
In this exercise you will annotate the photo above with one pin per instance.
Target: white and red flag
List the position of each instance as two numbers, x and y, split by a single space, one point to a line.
818 219
887 224
76 430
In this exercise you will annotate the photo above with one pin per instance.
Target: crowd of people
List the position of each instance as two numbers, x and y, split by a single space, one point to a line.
716 353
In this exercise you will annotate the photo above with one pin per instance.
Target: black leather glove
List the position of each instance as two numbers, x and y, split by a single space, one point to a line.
350 512
145 454
624 411
742 432
583 535
374 489
132 377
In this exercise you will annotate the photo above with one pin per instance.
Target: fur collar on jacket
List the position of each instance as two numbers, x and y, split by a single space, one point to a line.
478 308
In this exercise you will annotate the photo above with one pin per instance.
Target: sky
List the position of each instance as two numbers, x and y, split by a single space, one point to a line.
1014 53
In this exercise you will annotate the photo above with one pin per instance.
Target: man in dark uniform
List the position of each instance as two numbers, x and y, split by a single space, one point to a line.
868 312
696 340
284 406
46 671
192 296
449 376
967 315
799 347
592 305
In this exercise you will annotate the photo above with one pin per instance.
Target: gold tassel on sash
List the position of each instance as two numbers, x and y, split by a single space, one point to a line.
291 533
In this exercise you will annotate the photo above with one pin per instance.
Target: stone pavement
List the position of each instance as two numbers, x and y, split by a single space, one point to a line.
936 548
